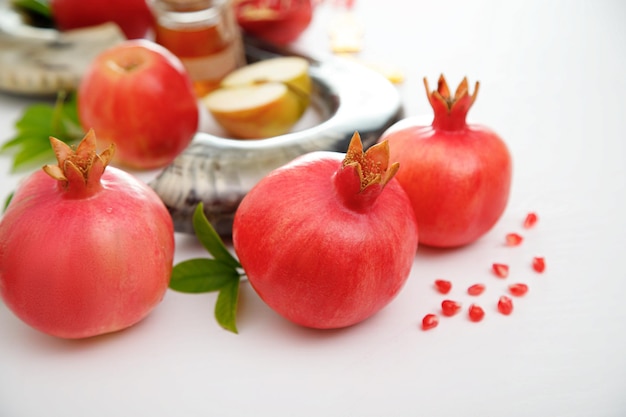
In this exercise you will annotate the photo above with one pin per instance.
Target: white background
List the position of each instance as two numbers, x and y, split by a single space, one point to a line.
553 82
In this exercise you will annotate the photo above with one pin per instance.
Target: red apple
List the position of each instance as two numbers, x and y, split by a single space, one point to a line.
133 16
139 96
276 21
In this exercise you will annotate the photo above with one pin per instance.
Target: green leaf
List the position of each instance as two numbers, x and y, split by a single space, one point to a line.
20 139
40 7
65 121
202 275
37 118
40 121
226 306
70 107
37 13
36 151
8 201
36 113
218 274
210 239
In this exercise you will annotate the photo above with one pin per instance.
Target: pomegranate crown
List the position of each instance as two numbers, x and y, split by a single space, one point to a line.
450 111
372 166
81 166
362 176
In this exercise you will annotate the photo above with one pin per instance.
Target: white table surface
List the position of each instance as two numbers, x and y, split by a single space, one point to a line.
553 77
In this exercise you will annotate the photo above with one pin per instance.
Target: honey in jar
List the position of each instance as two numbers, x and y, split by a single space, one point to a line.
204 35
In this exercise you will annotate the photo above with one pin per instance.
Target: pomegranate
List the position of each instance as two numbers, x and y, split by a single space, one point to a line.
85 249
457 175
328 239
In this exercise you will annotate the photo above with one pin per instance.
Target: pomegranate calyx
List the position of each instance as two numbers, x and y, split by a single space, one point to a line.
372 166
79 168
363 175
450 111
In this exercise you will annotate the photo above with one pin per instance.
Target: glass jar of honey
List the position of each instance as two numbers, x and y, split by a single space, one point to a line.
205 36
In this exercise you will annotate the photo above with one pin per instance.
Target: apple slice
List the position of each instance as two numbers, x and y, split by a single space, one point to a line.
263 99
291 70
255 111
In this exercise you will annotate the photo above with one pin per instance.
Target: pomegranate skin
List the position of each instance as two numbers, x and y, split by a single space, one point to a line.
66 291
457 175
312 259
458 181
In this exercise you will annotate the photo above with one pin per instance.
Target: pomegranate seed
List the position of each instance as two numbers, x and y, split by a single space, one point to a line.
443 286
539 264
530 221
449 307
476 289
505 305
501 270
476 313
429 321
513 239
518 290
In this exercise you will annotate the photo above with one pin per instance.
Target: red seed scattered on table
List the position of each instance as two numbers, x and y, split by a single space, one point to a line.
429 321
450 307
476 313
501 270
505 305
539 264
443 286
513 239
476 289
530 220
518 289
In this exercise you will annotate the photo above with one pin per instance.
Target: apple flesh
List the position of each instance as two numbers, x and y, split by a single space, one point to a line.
292 71
253 112
139 96
263 99
134 17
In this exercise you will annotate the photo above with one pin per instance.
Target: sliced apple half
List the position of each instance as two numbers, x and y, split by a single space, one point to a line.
291 70
263 99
